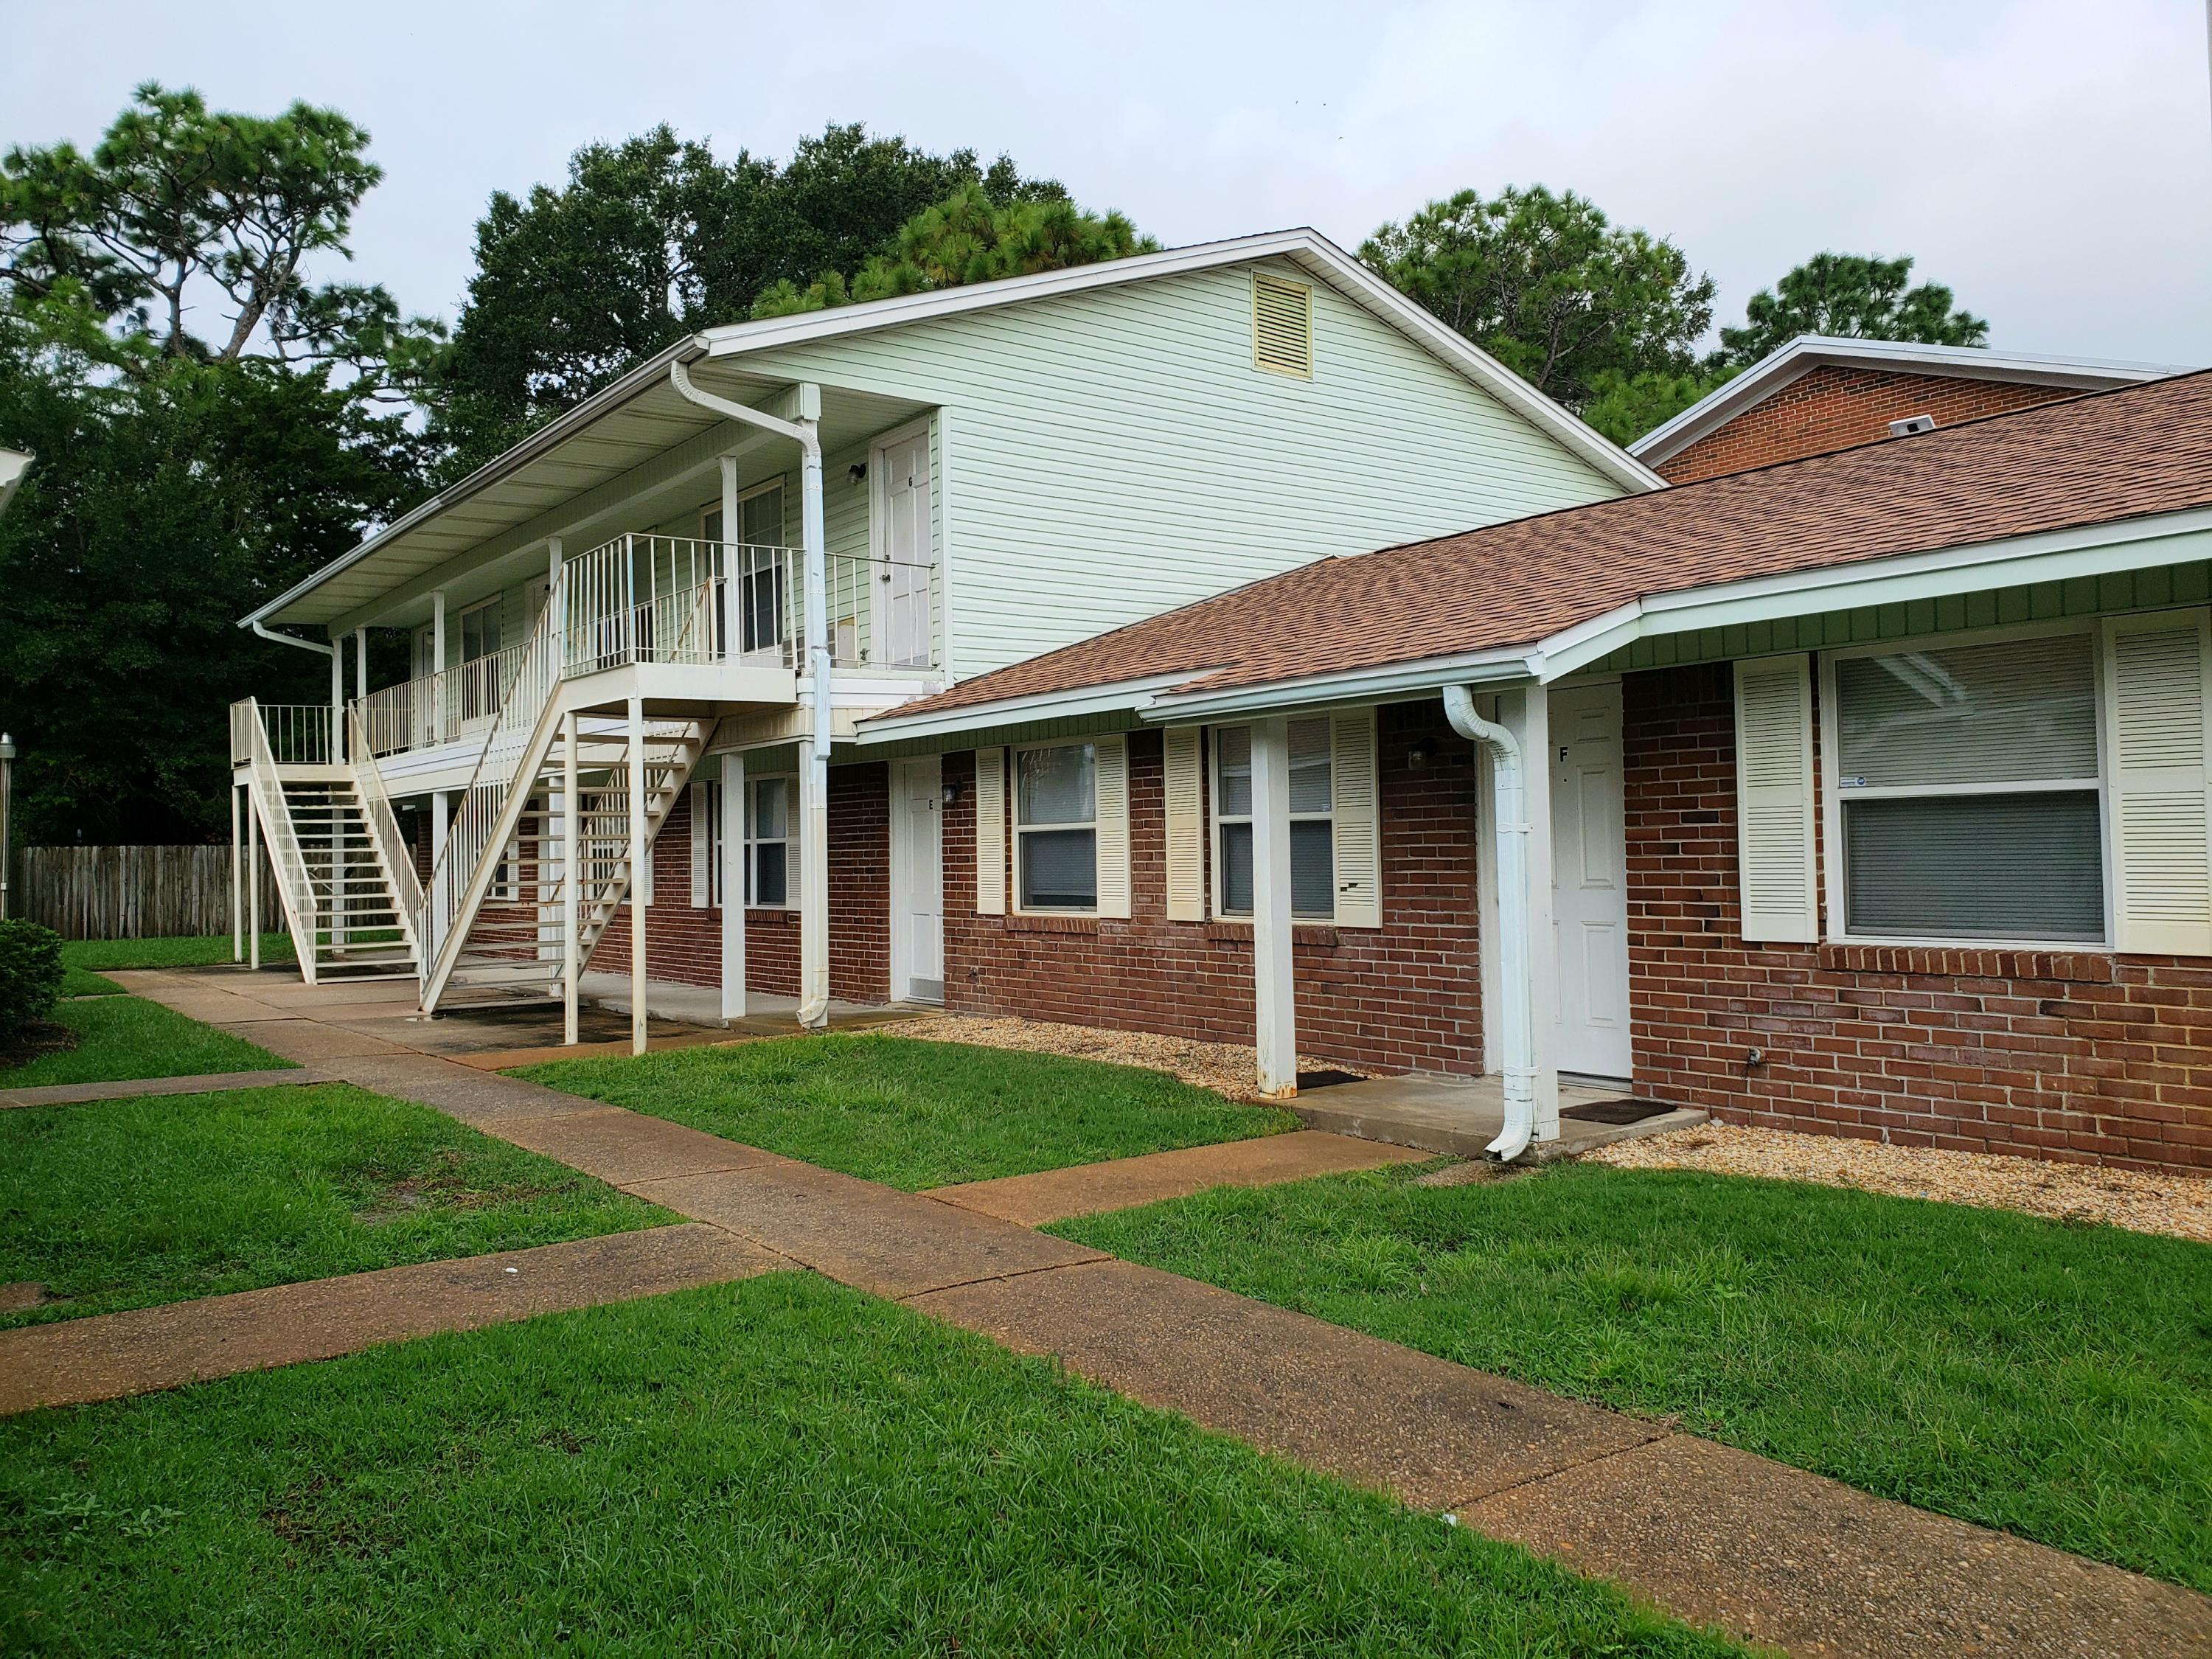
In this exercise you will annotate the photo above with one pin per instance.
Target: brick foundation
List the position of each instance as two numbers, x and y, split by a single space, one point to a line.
2080 1055
1834 407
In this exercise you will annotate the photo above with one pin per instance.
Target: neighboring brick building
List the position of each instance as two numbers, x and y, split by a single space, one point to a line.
1819 394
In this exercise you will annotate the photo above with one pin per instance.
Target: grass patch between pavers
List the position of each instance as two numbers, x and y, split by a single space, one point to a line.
128 1203
120 1039
2048 1379
914 1114
782 1466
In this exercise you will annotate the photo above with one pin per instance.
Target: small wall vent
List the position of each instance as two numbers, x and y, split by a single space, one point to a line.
1911 424
1282 326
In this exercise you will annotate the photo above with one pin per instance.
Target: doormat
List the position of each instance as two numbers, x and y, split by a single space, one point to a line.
1326 1079
1621 1111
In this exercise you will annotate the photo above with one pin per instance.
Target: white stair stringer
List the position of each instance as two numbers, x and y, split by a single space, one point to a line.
506 925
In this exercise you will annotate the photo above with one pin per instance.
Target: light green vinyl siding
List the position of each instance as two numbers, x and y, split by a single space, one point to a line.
1116 453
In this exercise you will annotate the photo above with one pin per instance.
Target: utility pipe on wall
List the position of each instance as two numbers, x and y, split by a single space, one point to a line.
1518 1028
814 748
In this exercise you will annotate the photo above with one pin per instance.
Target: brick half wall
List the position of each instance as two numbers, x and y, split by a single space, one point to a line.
2083 1057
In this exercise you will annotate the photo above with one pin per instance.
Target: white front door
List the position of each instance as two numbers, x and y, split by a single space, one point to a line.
1590 887
903 551
917 883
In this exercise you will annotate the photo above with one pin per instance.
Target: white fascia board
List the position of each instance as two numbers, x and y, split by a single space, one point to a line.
1125 697
1363 685
1779 368
13 464
647 374
2095 549
1307 248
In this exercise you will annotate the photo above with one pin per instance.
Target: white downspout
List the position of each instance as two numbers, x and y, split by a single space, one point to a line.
814 749
1518 1024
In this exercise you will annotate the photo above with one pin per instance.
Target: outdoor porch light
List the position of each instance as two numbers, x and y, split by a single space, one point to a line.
1423 751
951 794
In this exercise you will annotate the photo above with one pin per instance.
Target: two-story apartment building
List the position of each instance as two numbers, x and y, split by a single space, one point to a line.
646 641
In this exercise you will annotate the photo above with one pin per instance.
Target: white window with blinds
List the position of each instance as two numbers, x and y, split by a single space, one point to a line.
1964 790
771 850
1056 828
1333 873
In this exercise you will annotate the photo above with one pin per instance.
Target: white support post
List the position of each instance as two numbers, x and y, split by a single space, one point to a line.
637 856
1273 990
361 664
572 887
237 897
734 887
553 556
437 664
441 817
1531 723
253 891
338 698
814 751
734 564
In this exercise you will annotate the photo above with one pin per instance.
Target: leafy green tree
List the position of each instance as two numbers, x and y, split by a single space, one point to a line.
1624 407
652 239
968 237
1855 296
1549 287
180 481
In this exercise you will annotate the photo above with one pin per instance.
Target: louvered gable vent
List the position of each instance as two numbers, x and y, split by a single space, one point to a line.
1282 325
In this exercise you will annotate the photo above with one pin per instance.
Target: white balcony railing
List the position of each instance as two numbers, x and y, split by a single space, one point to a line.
674 599
292 733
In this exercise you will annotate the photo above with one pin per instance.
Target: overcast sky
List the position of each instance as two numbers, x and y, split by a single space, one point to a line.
2050 160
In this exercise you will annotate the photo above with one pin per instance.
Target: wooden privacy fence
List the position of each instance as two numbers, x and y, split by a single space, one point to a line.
131 892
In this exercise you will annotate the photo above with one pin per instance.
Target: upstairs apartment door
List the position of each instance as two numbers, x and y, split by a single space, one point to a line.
1590 887
917 882
904 551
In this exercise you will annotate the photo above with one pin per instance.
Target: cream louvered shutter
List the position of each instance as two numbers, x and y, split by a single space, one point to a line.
702 869
1282 325
1775 862
990 832
1111 810
1186 826
2155 674
1358 832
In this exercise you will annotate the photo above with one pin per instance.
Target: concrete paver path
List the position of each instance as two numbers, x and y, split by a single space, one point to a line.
1767 1551
107 1356
1050 1195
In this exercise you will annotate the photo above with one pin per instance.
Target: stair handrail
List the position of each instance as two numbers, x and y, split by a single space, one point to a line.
392 853
296 886
470 837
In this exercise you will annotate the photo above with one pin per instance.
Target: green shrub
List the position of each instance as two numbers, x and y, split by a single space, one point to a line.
30 976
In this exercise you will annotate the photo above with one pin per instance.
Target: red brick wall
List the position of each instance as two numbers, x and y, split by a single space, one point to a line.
1833 407
1403 997
683 945
2083 1057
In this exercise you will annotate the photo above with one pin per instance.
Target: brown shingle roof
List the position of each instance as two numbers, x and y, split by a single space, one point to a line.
2117 454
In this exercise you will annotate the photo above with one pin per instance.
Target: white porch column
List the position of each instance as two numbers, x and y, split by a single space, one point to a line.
1274 993
553 555
434 906
1528 717
237 897
360 662
437 664
732 563
814 749
637 857
338 698
733 885
253 890
572 872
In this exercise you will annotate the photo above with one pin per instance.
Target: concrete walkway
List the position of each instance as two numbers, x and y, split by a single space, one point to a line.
207 1083
72 1362
1713 1535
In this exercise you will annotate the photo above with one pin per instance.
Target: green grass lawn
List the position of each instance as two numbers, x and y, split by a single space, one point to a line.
2052 1380
131 1202
120 1038
782 1466
85 959
912 1114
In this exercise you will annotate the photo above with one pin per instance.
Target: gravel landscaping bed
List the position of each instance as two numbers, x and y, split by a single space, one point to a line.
1227 1068
2178 1206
